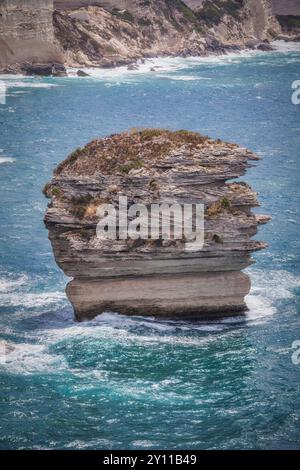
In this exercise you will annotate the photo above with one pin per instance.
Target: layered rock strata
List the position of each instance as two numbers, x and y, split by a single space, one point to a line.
154 276
27 37
107 33
102 34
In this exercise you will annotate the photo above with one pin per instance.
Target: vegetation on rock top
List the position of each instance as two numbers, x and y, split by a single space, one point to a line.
132 150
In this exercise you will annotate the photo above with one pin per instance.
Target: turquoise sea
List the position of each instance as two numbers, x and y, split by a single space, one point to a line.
135 383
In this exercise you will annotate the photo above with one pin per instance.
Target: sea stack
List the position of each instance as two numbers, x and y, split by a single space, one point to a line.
160 277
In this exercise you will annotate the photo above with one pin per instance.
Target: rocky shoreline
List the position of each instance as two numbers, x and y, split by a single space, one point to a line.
145 276
60 70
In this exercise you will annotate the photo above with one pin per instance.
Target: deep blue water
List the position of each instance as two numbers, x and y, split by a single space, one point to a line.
135 383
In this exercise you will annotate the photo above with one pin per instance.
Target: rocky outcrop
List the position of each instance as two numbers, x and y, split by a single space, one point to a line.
94 36
154 276
27 37
109 36
242 22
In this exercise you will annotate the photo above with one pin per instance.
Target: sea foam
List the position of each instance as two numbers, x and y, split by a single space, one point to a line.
6 160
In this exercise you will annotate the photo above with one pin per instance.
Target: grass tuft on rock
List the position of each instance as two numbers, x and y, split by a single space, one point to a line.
219 207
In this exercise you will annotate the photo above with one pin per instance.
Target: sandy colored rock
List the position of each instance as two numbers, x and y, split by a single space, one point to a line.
154 277
108 33
27 35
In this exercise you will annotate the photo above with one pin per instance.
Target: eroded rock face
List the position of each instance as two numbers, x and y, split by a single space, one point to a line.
95 36
154 277
27 42
110 33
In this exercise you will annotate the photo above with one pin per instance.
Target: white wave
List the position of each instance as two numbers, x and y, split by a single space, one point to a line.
120 329
28 359
91 444
6 160
143 444
266 290
33 83
184 78
31 300
120 335
8 283
259 307
12 76
149 66
161 66
278 284
283 46
151 323
14 292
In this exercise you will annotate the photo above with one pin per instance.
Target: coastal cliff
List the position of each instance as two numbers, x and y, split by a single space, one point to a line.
96 36
27 35
109 32
158 277
240 22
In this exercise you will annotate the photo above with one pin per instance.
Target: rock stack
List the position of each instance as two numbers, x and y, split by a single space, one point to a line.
143 276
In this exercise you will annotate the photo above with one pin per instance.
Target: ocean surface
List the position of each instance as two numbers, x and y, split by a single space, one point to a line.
135 383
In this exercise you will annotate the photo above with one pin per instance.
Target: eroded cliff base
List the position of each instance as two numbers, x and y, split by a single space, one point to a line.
188 296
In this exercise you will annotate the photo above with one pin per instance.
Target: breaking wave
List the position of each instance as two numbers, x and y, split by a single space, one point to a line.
58 326
6 160
27 359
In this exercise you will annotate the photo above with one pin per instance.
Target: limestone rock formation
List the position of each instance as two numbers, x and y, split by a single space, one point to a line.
96 36
27 38
106 33
146 276
240 22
